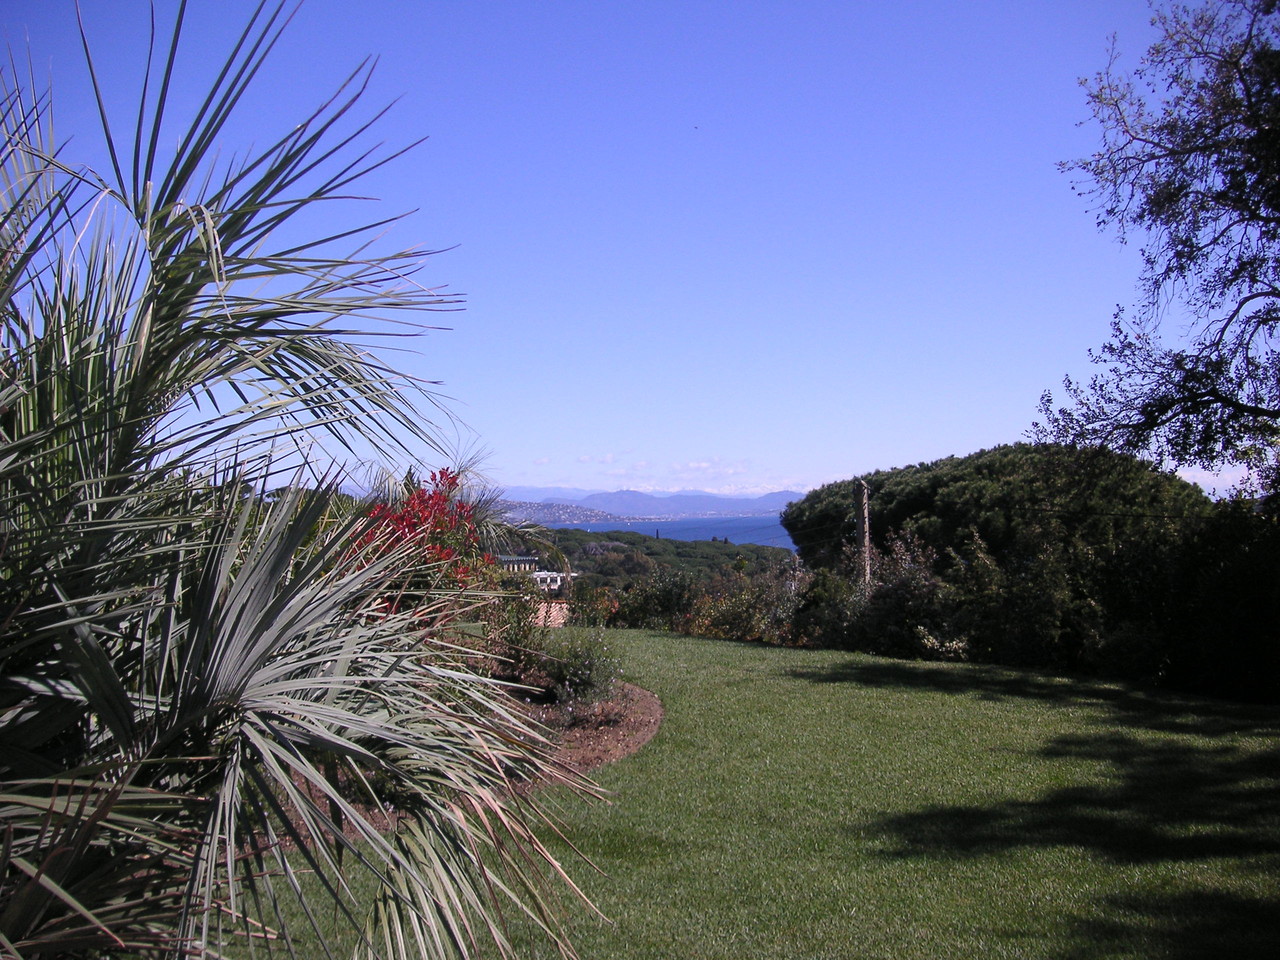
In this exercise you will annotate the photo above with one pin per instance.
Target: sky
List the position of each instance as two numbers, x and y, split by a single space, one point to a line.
727 246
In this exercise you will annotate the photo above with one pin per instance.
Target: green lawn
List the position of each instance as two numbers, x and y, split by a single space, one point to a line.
815 804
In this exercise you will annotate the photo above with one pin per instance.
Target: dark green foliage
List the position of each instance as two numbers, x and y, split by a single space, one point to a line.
1049 556
577 663
1223 618
662 601
905 610
591 606
701 587
705 588
758 608
563 665
1011 497
830 608
619 558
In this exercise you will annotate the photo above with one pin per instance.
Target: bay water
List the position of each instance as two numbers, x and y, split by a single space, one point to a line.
766 530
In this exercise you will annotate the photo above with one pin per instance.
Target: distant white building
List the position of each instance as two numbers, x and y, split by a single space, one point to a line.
518 564
545 579
550 579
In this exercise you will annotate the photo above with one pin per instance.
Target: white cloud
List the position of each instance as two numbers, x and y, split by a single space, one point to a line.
1217 483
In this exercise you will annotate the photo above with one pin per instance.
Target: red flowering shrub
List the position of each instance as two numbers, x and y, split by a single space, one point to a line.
439 528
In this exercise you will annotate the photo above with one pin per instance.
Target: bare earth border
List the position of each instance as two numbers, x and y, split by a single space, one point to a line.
600 733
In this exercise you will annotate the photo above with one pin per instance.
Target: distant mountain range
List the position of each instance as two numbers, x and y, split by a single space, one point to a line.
554 505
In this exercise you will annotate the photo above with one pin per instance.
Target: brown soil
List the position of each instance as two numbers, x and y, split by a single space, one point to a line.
599 733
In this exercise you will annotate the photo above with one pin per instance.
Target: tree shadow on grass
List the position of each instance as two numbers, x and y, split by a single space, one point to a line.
1184 927
1169 804
969 678
1164 802
1204 788
1122 705
1212 790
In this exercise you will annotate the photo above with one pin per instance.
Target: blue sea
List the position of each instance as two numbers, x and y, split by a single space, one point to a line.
765 531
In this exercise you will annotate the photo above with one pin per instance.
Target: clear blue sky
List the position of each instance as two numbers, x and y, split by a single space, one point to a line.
732 246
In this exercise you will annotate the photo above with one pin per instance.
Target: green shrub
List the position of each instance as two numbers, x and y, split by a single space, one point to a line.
662 601
591 606
759 608
573 664
1223 624
1076 559
906 610
828 610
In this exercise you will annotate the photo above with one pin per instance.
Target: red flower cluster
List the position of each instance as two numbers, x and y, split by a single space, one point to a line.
441 526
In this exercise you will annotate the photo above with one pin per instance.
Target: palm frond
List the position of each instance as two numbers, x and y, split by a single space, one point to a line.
91 862
204 691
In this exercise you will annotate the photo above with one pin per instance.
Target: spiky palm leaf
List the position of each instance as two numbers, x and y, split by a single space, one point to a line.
92 863
170 640
306 693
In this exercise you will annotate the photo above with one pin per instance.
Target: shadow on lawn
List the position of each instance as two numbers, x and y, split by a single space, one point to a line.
1124 705
1204 794
1168 798
1165 802
1185 927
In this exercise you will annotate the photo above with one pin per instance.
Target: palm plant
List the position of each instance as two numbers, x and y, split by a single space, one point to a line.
202 702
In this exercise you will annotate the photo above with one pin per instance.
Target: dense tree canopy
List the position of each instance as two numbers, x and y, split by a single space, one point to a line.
620 557
1076 558
1189 163
1006 496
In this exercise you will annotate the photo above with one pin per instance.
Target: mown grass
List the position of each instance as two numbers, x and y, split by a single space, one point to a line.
817 804
814 804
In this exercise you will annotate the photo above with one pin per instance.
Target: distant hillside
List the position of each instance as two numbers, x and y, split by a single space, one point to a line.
619 558
647 506
546 513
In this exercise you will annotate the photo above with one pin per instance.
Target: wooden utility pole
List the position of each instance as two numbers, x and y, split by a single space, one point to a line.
862 525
